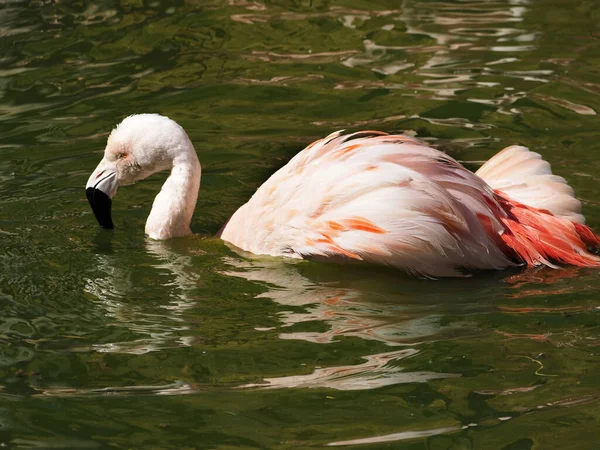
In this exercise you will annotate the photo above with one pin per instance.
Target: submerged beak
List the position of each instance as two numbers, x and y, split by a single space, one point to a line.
100 189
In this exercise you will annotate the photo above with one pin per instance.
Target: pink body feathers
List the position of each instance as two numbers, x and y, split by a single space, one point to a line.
393 200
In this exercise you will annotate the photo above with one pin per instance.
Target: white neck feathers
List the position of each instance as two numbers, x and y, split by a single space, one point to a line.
173 207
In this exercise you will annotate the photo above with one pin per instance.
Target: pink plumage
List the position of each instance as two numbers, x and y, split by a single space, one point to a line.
393 200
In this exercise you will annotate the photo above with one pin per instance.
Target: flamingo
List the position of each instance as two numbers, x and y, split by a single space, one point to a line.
366 197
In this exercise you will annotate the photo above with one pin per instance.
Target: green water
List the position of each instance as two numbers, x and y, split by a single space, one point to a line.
110 340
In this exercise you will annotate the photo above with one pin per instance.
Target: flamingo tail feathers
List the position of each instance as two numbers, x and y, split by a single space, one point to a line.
543 221
537 237
525 177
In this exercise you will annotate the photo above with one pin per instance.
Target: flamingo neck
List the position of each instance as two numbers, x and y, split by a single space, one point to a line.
174 205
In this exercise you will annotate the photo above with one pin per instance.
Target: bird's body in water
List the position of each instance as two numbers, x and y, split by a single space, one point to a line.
366 197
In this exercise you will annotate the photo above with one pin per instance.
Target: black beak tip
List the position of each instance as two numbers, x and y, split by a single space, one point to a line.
101 206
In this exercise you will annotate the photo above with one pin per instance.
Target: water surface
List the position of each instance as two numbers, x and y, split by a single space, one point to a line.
111 340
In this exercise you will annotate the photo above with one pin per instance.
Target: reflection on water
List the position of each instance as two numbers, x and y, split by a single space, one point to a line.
346 311
402 436
177 388
375 373
355 309
163 326
372 308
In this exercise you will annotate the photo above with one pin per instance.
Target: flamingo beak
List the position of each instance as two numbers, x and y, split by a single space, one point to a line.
100 189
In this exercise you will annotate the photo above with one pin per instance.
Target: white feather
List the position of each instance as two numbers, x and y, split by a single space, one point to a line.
525 177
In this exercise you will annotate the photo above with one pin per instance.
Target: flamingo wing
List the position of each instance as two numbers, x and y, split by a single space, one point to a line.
383 199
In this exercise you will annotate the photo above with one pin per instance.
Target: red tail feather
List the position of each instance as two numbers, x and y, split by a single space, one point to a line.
537 236
587 235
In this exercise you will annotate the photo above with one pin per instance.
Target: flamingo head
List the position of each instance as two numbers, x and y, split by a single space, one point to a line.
139 146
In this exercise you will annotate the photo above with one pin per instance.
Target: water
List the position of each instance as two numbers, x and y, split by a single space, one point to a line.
110 340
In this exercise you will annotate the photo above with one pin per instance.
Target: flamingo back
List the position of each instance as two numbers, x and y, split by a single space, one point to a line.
369 196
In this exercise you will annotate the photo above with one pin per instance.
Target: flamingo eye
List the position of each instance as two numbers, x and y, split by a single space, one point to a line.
121 155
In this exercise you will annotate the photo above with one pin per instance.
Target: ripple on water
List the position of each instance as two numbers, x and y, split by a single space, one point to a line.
212 348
